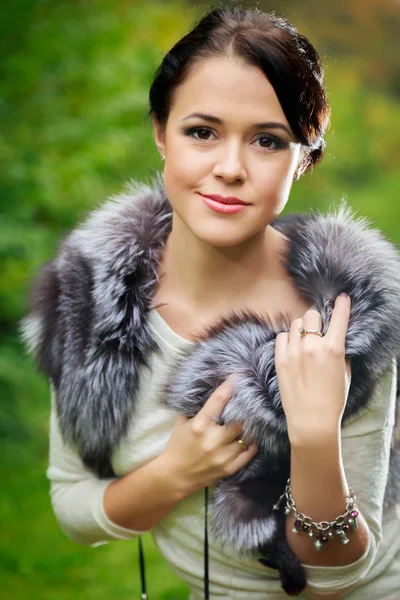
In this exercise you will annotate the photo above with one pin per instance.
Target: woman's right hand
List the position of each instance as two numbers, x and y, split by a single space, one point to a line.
200 451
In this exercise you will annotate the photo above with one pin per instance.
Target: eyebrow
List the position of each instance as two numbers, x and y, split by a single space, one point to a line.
218 121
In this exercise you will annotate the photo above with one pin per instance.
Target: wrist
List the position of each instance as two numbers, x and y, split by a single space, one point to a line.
172 479
318 480
322 438
318 460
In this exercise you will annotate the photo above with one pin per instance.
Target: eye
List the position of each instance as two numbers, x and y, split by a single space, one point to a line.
269 142
199 133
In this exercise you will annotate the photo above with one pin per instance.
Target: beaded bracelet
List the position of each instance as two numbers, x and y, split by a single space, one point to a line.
323 530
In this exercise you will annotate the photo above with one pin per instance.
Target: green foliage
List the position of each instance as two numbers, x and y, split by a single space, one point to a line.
74 84
361 162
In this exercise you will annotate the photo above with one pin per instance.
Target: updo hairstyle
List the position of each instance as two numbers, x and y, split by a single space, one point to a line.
268 42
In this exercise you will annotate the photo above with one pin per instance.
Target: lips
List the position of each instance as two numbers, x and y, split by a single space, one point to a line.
224 199
227 205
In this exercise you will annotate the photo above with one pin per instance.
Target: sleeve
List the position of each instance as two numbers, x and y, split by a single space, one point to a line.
366 443
77 494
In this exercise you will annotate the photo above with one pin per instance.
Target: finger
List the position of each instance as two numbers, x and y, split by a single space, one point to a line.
243 458
281 346
233 450
231 432
216 403
224 437
339 321
348 368
312 320
295 336
216 420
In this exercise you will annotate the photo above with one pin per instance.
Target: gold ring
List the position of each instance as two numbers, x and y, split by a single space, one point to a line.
241 442
303 331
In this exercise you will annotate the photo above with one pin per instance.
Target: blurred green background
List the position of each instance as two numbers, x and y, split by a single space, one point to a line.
74 80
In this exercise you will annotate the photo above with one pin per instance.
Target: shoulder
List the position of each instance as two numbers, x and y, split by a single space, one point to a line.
91 269
124 223
354 253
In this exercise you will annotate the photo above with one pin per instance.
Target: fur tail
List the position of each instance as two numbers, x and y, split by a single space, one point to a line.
291 571
243 515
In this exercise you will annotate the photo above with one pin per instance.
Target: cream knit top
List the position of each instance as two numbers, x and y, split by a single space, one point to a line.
77 496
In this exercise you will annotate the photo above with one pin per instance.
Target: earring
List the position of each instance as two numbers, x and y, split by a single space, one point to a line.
163 158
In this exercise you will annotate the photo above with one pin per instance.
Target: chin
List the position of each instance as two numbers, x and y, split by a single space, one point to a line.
221 236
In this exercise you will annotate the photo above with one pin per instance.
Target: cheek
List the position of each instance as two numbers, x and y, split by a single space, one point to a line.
182 168
276 176
179 180
275 185
285 172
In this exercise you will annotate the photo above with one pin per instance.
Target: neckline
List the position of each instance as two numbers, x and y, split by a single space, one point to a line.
167 334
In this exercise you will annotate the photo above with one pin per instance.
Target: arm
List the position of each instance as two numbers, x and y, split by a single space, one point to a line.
314 387
89 510
319 486
92 511
199 452
77 494
365 450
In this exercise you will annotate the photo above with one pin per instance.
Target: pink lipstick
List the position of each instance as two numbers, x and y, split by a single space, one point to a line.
224 204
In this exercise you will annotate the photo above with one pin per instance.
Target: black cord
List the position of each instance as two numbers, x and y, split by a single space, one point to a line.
206 565
143 594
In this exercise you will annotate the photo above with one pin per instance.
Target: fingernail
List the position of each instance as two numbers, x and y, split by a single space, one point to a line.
343 295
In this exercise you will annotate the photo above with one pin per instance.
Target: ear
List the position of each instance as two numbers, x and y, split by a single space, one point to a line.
302 166
299 172
159 136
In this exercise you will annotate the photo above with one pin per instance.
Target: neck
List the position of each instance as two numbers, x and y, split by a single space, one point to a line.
207 278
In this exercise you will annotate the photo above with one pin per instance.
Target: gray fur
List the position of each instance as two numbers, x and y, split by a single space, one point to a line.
88 330
88 327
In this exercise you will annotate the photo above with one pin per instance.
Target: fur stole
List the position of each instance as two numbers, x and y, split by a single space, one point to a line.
89 333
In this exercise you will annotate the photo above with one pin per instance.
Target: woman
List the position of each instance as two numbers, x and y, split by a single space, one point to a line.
239 113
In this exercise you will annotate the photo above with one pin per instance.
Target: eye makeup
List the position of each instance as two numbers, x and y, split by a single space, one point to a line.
277 143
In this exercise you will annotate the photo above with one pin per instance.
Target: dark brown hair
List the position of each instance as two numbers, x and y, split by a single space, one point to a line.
268 42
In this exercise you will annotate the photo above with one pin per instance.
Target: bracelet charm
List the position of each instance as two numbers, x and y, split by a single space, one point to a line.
324 530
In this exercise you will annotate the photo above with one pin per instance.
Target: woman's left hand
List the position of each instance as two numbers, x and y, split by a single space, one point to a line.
314 375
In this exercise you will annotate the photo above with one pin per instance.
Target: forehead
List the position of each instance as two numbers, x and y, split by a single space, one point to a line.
227 88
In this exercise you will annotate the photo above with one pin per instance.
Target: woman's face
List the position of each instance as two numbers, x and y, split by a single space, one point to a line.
227 135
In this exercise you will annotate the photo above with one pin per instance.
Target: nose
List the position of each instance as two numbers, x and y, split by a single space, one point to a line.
230 164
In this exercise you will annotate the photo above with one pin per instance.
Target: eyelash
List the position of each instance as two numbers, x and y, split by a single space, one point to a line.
279 144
